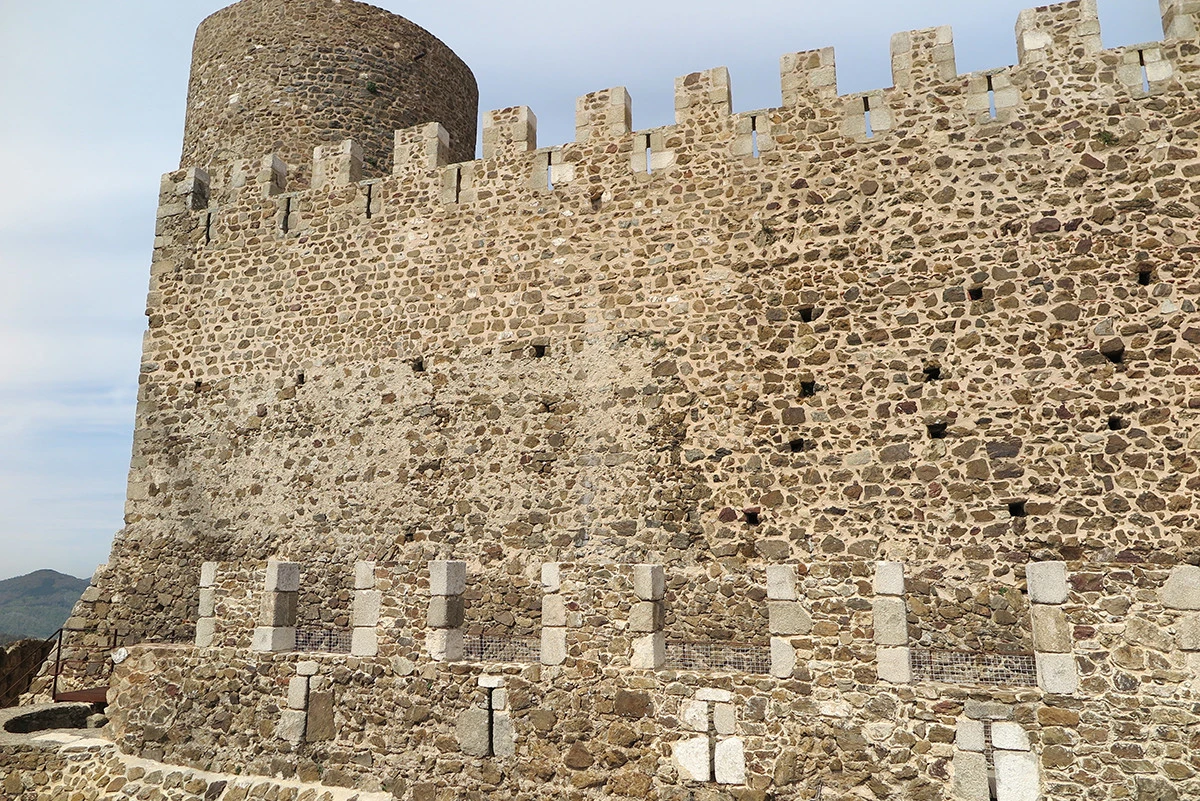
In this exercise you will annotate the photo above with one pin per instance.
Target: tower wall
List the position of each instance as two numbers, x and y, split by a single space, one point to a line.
270 76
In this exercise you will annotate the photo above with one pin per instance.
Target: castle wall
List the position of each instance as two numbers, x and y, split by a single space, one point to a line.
950 324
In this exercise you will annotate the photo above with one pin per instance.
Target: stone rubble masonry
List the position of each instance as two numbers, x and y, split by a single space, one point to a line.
949 323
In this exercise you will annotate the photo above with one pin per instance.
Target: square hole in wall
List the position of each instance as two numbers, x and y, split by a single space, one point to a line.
418 365
808 389
1145 276
975 293
937 430
1116 423
796 446
539 351
809 313
1017 509
932 373
753 517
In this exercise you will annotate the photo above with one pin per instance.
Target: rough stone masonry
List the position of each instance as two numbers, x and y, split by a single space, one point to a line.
843 450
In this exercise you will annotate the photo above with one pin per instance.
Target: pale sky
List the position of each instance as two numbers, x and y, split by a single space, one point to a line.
91 114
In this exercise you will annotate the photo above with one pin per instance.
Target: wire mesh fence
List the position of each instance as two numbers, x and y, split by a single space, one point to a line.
974 667
735 658
503 649
324 641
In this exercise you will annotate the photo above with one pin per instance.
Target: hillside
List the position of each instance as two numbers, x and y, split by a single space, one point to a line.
35 605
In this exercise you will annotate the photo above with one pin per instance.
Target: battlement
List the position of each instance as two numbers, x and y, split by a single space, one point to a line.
1063 74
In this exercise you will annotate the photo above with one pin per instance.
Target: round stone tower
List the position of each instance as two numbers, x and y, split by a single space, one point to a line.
283 76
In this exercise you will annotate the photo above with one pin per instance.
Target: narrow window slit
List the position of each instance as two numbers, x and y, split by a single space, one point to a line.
1115 423
991 97
208 220
932 373
649 156
370 198
1145 72
1017 509
418 365
808 389
287 215
550 172
754 136
975 293
458 182
491 737
867 117
937 430
796 446
753 517
1145 276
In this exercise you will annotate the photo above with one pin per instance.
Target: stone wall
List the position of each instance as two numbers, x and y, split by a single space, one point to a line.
949 325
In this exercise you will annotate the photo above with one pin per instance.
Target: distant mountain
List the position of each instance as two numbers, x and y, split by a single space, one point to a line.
36 605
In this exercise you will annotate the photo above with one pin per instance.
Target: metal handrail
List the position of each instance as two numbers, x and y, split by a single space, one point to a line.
32 672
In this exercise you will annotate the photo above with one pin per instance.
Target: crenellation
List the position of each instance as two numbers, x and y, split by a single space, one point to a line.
924 59
742 451
1179 18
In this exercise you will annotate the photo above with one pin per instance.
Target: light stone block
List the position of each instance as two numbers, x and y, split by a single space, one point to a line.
297 697
1189 633
554 611
551 577
366 608
970 736
446 612
499 698
649 582
1057 673
1046 582
208 602
783 658
554 646
692 759
279 609
291 726
364 575
894 665
307 668
889 578
445 645
781 583
890 621
283 577
1051 632
206 629
715 695
1017 776
268 639
473 734
504 735
491 682
364 641
971 777
649 652
788 618
208 574
694 716
729 761
647 616
447 578
1182 590
724 718
1009 736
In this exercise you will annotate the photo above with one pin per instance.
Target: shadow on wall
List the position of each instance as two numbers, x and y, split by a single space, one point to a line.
19 663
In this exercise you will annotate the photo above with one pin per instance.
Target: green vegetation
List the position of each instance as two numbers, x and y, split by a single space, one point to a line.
36 605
